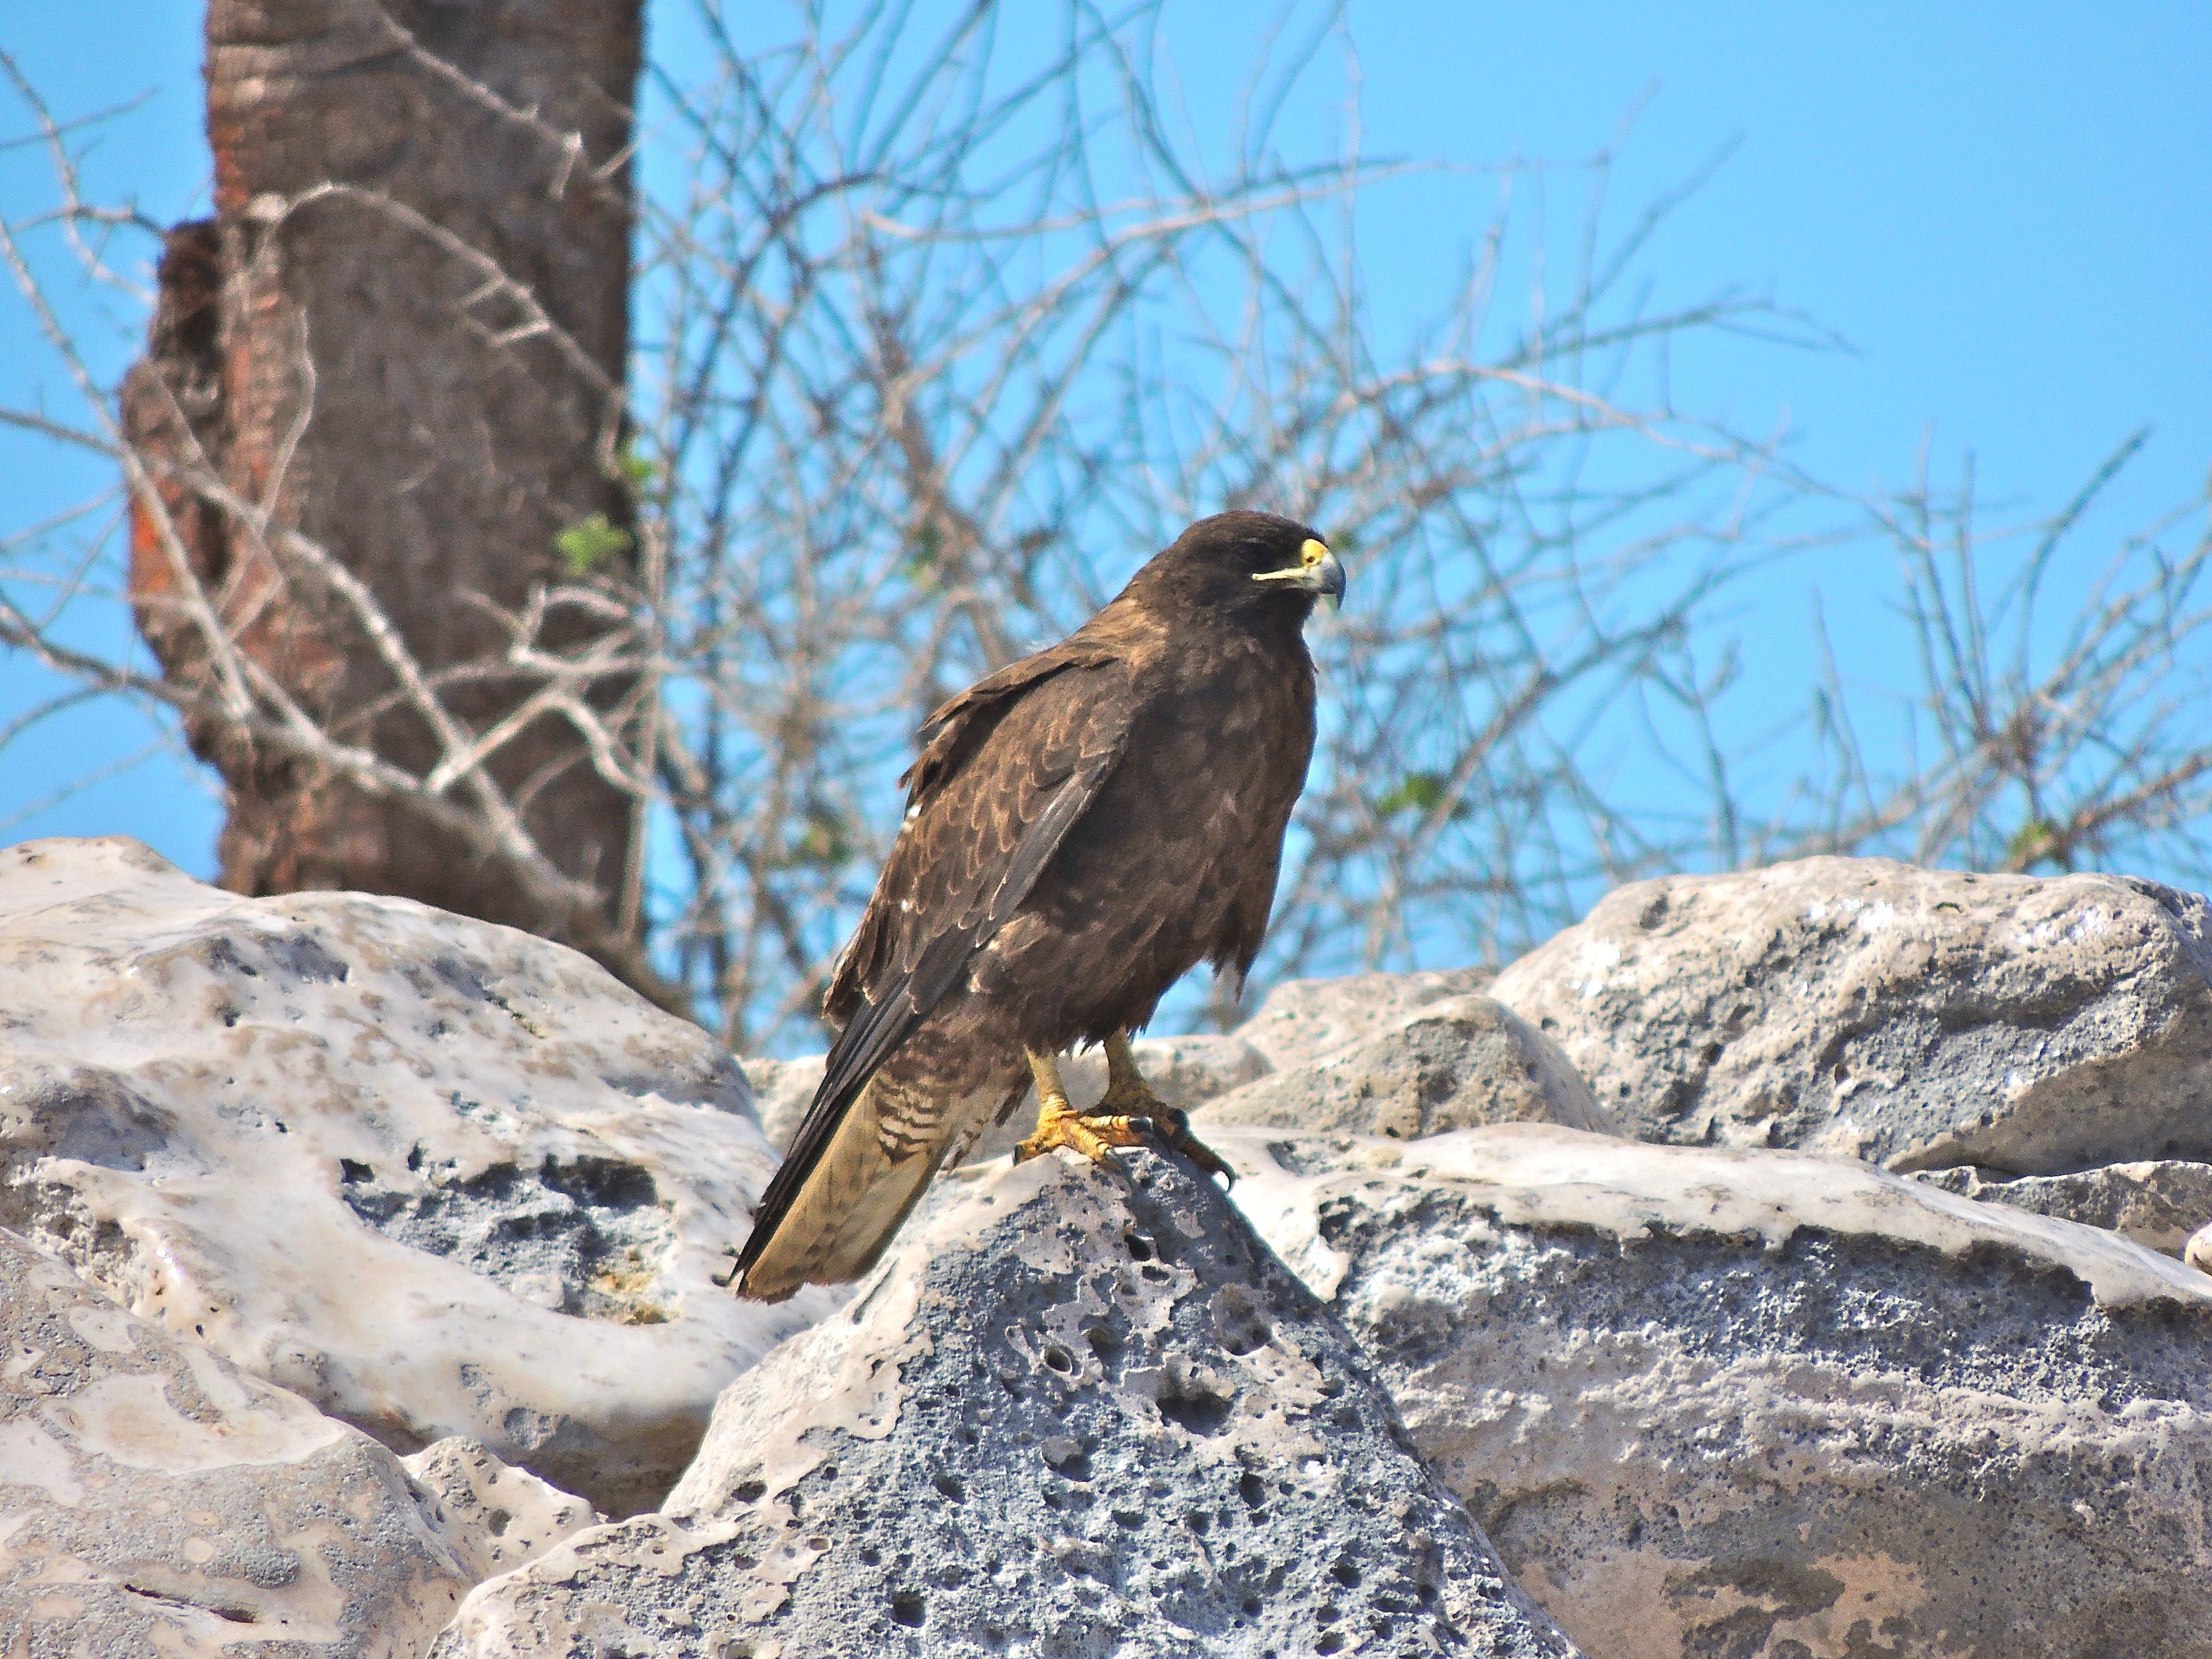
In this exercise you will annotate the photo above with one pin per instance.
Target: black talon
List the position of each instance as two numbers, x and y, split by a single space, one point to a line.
1170 1123
1173 1124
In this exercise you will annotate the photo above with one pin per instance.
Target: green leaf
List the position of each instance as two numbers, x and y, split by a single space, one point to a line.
1419 792
920 566
588 545
821 845
636 469
2031 844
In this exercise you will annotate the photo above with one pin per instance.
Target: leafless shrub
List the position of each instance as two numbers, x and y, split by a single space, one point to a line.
2059 720
944 334
949 338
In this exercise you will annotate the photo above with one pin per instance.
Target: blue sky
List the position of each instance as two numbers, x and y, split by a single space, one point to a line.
2007 211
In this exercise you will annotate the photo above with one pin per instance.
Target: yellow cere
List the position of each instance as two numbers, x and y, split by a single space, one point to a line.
1310 555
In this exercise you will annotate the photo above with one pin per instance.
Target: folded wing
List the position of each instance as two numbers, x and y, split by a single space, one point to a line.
1010 767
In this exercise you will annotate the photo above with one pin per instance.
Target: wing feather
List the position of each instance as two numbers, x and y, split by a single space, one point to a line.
990 808
952 736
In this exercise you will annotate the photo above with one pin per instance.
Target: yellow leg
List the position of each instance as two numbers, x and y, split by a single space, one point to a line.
1093 1135
1130 1101
1127 1092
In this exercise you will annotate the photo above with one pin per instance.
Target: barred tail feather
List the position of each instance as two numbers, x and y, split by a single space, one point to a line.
860 1188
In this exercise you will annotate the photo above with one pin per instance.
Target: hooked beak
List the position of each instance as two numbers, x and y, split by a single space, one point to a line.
1329 573
1317 572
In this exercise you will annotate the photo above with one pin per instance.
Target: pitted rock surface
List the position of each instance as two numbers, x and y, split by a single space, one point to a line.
491 1514
1771 1405
437 1177
1922 1019
1079 1414
154 1498
1450 1064
2160 1205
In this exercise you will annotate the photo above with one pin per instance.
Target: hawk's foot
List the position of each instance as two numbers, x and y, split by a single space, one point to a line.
1094 1135
1128 1096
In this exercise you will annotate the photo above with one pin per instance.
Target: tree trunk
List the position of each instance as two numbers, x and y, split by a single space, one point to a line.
346 364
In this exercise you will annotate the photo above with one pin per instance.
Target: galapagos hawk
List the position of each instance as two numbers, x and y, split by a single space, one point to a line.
1081 827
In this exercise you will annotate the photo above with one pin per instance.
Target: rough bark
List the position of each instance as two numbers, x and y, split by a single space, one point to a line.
343 366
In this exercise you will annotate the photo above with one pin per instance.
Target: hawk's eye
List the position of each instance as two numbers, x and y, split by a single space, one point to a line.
1315 571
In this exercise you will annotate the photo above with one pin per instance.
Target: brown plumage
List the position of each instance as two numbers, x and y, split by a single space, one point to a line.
1082 827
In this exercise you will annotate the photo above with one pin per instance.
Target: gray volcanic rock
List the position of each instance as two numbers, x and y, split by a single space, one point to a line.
1304 1020
1183 1070
1920 1017
154 1498
1078 1413
1450 1064
437 1177
2159 1204
1770 1406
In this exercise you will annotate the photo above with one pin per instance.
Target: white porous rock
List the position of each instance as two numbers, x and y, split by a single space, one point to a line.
1082 1412
154 1498
437 1177
1922 1019
782 1090
2198 1251
1769 1405
1448 1064
2161 1205
492 1515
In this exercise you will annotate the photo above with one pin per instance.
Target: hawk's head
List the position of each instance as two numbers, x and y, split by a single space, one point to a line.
1251 564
